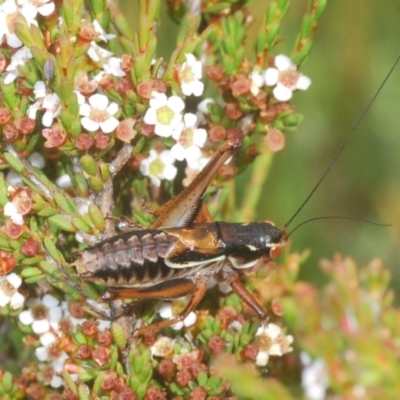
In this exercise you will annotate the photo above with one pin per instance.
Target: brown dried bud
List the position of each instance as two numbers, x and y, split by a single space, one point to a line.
25 125
126 63
109 381
233 111
30 248
215 72
250 351
36 391
196 368
101 140
5 114
101 356
149 338
83 352
275 140
155 394
125 131
216 345
147 130
7 264
13 231
276 307
234 132
123 85
226 315
55 136
104 338
75 309
198 393
227 172
10 133
23 202
90 328
217 133
86 32
240 86
146 88
84 141
136 161
183 377
84 86
166 368
126 394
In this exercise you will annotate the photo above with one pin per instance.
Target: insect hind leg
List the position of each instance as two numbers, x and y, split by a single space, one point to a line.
198 290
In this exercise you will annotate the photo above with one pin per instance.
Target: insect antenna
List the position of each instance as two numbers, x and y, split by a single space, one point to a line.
336 217
340 151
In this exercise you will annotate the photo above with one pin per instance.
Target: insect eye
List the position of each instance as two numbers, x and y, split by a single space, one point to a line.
275 251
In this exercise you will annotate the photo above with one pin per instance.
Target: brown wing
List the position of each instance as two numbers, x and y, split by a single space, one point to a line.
184 208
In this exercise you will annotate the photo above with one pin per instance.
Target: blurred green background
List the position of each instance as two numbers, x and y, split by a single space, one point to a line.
355 45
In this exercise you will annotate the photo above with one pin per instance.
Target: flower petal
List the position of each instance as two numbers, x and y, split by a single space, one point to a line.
109 125
89 124
282 93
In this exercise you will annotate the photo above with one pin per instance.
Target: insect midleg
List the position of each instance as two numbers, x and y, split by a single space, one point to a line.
198 292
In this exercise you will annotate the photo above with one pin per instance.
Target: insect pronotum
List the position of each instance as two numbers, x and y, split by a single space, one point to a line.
178 254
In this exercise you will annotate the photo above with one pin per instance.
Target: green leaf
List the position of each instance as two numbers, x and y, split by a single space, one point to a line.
52 250
14 162
62 223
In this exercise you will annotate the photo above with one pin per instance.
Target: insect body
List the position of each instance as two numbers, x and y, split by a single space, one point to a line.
182 250
139 258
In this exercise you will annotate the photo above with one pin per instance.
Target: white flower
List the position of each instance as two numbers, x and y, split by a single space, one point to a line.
166 311
224 287
102 33
285 78
257 82
314 377
39 89
50 102
113 67
28 9
162 347
20 57
64 182
190 75
98 114
272 343
165 113
190 140
37 160
9 294
48 376
13 178
159 166
43 7
10 210
98 54
43 314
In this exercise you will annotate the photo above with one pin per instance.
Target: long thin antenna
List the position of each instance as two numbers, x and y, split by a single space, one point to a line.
336 217
347 140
